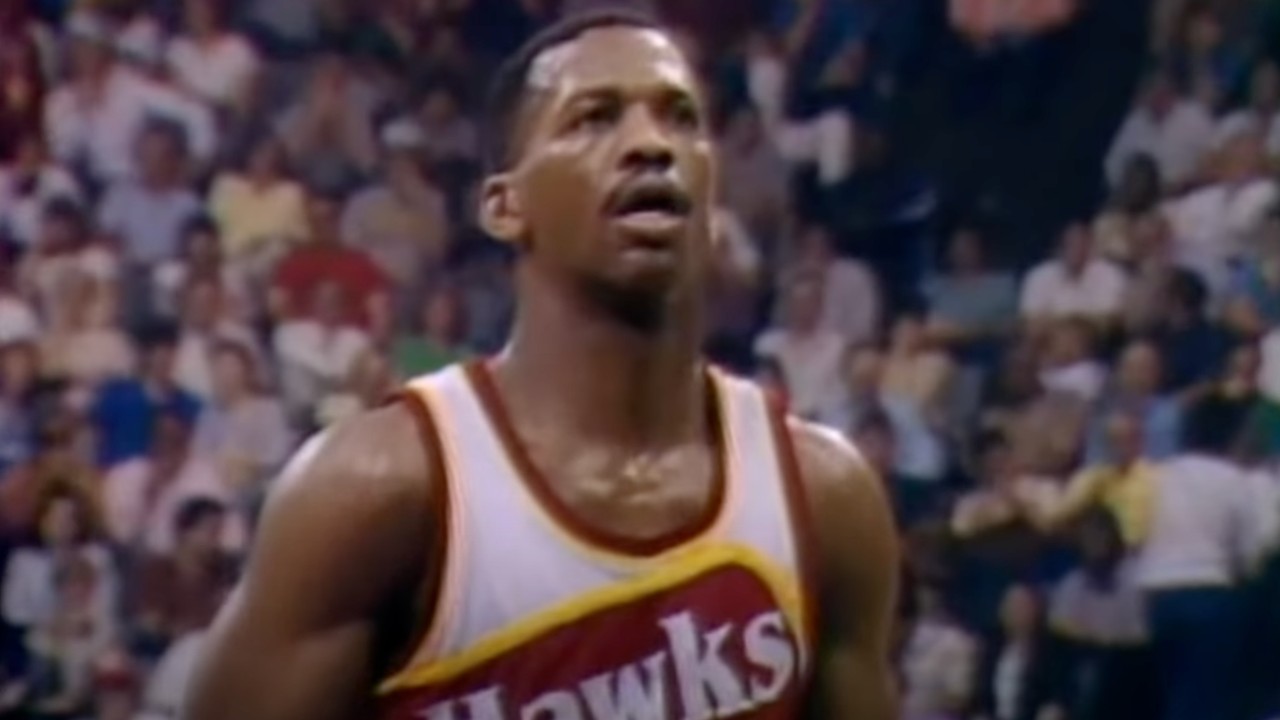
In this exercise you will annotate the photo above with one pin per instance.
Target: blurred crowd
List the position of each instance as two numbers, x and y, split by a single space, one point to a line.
229 224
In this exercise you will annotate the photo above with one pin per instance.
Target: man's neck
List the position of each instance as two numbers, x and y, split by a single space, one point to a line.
573 365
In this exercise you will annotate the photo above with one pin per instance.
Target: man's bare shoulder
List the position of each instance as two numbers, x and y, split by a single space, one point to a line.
374 470
831 465
365 460
846 498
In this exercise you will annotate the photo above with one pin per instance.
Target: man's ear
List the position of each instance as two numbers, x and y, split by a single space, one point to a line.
500 212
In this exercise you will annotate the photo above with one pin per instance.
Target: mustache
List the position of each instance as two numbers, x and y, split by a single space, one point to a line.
649 192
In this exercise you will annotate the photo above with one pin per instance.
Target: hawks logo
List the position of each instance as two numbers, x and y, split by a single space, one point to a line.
718 646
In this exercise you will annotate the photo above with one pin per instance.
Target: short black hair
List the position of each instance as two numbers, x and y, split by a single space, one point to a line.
195 511
506 93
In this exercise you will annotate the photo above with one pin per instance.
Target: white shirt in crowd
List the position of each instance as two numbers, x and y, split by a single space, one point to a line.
1250 119
939 665
20 212
851 301
1218 223
1051 291
811 366
217 71
18 320
1084 379
102 135
1206 527
314 359
1178 142
134 521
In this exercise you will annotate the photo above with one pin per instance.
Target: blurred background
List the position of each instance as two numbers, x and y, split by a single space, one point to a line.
1026 253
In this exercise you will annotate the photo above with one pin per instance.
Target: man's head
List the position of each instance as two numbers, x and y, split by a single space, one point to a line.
600 165
1160 91
1125 438
324 215
161 152
159 344
1076 247
1139 186
1138 370
171 437
802 304
198 526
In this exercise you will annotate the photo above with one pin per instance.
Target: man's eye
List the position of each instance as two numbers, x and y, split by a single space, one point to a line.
598 117
684 114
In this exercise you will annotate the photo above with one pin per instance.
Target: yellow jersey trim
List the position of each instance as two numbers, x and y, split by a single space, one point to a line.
782 584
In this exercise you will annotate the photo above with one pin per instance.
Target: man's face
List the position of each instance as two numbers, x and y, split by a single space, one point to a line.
612 182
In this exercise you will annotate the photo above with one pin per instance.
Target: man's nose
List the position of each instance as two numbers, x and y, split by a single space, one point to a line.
645 143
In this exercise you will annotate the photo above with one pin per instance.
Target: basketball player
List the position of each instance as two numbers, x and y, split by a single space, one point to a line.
593 524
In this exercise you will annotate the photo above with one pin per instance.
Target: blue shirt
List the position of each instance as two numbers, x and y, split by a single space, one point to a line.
124 415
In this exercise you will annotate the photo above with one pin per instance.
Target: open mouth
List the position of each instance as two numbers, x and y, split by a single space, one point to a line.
653 214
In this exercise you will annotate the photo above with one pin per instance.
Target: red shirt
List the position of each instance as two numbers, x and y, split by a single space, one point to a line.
310 266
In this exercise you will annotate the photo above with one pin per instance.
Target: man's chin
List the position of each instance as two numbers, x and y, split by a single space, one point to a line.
640 300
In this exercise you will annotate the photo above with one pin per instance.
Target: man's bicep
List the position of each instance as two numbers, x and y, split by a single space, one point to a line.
859 568
338 538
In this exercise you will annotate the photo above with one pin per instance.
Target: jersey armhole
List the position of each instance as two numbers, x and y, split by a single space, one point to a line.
440 570
801 521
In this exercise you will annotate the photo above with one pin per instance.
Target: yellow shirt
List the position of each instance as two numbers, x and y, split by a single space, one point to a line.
253 217
1128 493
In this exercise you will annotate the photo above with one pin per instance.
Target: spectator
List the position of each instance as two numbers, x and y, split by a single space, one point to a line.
1152 272
851 304
1069 365
86 346
19 375
1017 683
1136 194
242 430
1136 387
1198 538
939 662
209 60
369 383
64 255
918 452
125 411
733 291
201 257
402 221
1218 224
1123 484
140 49
63 594
18 318
1253 297
1262 114
179 592
28 183
62 461
1075 282
450 136
759 193
1173 130
143 496
1098 618
1194 349
440 340
915 370
317 351
149 213
971 305
22 77
1204 58
205 323
329 132
810 357
93 120
325 258
258 206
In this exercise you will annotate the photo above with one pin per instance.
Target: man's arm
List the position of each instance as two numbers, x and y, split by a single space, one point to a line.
858 566
347 530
